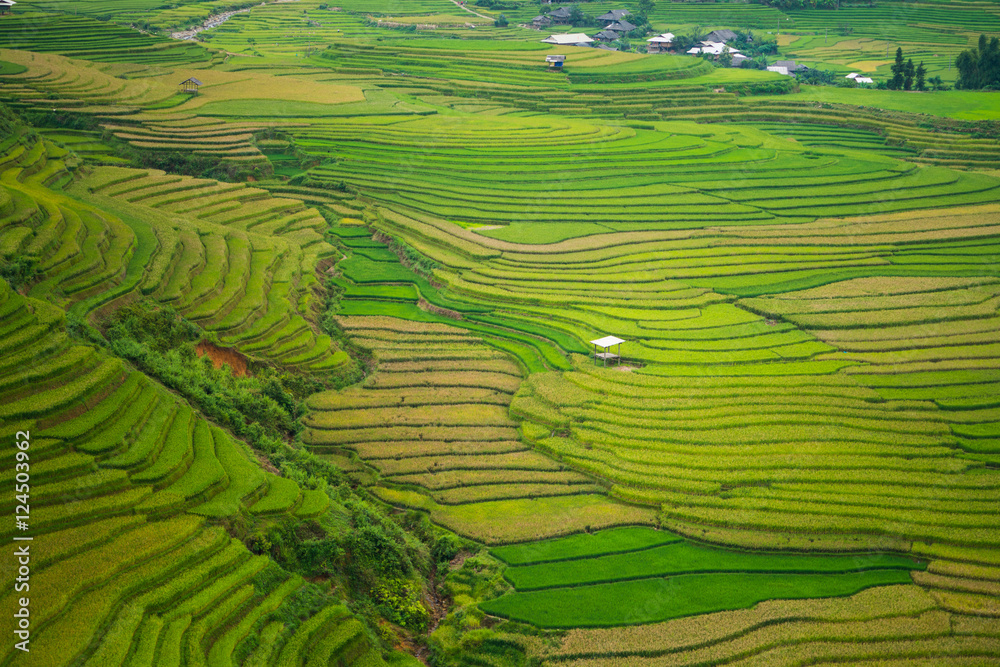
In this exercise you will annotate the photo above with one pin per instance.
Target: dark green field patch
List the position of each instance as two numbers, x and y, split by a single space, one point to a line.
659 599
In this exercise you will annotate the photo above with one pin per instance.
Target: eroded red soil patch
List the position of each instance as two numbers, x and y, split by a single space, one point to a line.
224 355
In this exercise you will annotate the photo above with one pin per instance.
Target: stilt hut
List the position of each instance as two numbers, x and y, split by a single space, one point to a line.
7 6
606 344
555 62
190 86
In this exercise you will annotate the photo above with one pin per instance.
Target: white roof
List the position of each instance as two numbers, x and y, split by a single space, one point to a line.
607 341
716 48
572 38
694 50
665 37
779 70
852 75
7 3
864 79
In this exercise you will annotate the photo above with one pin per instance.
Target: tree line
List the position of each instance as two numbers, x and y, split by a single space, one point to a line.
979 68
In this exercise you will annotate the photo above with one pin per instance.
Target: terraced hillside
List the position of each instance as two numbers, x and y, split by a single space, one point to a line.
90 39
796 462
127 566
233 259
687 176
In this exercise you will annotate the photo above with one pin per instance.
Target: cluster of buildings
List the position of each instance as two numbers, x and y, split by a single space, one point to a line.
615 25
859 79
714 44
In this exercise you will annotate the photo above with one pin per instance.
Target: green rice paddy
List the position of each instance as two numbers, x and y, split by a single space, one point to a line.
795 462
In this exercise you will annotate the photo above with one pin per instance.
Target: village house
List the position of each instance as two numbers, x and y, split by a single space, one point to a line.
791 66
621 26
858 78
712 49
7 6
614 16
661 43
560 16
572 39
607 36
720 36
540 22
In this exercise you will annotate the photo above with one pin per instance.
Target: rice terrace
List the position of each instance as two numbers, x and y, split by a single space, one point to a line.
500 333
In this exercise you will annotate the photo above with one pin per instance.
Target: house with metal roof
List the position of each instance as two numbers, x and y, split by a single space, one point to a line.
7 6
791 66
712 49
571 39
607 36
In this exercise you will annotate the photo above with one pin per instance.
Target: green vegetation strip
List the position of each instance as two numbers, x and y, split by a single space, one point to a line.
659 599
640 575
686 557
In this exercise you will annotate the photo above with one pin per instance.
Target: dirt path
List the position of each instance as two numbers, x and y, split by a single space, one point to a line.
461 6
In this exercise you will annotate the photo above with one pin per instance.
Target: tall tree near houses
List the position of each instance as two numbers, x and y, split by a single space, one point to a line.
921 76
896 82
908 73
979 68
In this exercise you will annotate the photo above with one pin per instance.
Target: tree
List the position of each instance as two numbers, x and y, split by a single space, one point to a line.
576 16
921 76
979 68
967 64
896 82
501 21
908 74
646 6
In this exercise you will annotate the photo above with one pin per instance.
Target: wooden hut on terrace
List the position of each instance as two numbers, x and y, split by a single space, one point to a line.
7 6
190 86
555 62
606 344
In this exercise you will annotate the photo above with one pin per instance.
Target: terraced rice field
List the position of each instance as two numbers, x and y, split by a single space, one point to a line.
581 581
124 477
795 463
237 261
90 39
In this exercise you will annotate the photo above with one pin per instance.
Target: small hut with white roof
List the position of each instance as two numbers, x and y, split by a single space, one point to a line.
605 344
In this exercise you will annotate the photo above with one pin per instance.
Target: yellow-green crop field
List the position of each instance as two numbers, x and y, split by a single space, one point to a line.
297 311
